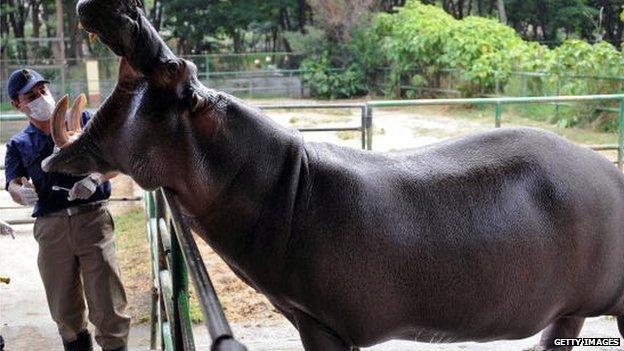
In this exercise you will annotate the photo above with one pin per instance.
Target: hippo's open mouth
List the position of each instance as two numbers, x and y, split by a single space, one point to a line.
115 22
121 25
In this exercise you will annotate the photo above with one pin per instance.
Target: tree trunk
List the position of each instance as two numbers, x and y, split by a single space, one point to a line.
501 12
36 25
156 14
17 18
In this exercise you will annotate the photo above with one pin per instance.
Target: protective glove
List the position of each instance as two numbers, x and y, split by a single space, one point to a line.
83 189
26 193
6 229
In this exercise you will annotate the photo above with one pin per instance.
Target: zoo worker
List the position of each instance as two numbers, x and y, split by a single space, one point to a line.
74 228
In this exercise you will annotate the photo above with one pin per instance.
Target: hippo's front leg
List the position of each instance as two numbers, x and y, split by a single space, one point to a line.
317 337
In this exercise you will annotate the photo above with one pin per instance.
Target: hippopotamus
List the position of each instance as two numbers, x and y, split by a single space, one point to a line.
495 235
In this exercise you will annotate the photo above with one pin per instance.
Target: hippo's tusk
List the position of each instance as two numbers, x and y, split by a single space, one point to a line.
59 133
76 112
80 26
92 38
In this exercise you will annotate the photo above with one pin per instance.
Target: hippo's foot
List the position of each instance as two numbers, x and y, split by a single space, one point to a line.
563 328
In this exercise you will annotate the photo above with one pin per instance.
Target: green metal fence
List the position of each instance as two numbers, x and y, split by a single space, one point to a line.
174 253
498 112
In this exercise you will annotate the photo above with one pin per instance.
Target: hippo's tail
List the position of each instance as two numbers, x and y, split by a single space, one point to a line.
620 320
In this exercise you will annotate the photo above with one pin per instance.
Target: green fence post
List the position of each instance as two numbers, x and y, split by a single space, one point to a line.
369 128
151 237
498 112
181 312
621 137
207 69
558 94
363 126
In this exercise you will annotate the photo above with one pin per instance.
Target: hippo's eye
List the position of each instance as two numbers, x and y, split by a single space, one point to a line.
173 67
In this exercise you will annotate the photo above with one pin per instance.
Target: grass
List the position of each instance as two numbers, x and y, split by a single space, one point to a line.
6 107
348 134
134 261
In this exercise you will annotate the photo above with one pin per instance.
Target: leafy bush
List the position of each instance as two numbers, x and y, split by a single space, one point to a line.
327 82
426 38
420 41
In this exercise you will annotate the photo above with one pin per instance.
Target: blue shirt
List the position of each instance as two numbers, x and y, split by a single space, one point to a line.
24 153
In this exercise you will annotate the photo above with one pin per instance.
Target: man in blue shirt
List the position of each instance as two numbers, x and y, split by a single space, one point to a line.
73 226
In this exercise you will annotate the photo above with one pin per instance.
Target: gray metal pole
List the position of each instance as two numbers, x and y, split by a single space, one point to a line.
61 37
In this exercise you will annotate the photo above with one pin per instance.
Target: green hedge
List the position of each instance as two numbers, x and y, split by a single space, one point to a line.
486 52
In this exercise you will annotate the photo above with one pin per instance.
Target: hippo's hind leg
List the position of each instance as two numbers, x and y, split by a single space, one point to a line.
317 337
620 320
562 328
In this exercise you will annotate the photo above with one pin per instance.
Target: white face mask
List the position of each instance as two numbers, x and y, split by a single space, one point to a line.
42 107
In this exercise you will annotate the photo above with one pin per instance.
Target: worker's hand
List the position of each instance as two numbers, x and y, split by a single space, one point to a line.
6 229
83 189
26 193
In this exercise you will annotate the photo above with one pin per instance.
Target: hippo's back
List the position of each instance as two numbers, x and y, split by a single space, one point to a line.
488 236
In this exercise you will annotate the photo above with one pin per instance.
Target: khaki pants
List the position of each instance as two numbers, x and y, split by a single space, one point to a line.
75 247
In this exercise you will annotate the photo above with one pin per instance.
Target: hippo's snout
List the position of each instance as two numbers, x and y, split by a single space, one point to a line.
113 21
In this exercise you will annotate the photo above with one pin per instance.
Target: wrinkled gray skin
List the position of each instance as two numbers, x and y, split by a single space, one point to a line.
493 236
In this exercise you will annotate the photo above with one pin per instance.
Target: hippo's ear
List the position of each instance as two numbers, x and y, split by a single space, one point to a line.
202 115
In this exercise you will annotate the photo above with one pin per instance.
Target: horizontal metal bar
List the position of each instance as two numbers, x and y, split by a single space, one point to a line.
603 147
546 74
21 221
330 129
494 101
435 90
12 117
126 199
37 67
608 109
312 106
116 199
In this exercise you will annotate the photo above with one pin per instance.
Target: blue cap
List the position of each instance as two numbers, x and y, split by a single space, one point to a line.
22 80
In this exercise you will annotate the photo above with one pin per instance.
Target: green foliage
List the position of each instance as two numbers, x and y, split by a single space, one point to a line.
424 37
330 83
226 23
309 43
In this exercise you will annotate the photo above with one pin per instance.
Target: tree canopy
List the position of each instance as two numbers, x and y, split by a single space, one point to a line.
197 27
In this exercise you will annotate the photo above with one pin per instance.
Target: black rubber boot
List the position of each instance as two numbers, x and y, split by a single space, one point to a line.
82 343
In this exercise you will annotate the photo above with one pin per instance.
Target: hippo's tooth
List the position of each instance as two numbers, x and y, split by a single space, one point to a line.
80 26
92 38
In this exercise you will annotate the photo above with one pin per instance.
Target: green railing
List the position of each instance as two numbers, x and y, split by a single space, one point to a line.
498 102
174 253
498 112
